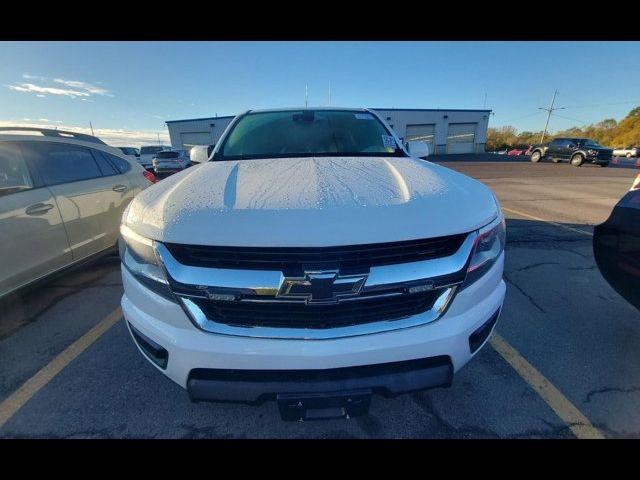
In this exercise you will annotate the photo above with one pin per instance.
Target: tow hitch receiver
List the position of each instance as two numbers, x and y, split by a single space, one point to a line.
323 406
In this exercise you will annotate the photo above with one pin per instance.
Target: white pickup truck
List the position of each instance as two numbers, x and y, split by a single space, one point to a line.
314 261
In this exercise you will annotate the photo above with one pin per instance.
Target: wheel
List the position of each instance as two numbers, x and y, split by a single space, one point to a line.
555 160
629 155
535 156
577 160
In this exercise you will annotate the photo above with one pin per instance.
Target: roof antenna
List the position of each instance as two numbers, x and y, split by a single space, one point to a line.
91 129
329 93
306 94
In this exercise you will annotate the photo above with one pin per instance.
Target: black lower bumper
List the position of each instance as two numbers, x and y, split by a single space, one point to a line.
336 387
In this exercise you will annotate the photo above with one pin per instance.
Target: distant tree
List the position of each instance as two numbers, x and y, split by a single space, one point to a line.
607 123
606 132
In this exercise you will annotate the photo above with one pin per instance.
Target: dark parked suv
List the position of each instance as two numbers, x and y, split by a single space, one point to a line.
575 150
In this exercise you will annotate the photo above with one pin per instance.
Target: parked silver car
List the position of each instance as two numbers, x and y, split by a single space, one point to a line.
628 152
62 196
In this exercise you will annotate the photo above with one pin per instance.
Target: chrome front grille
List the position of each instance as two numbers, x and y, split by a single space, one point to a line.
255 302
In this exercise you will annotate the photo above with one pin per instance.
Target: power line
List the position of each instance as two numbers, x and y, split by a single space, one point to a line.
637 102
572 119
520 118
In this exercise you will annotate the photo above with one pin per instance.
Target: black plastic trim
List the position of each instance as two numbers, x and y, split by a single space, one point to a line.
477 338
151 349
256 386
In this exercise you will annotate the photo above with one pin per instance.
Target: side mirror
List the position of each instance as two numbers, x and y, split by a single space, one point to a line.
417 148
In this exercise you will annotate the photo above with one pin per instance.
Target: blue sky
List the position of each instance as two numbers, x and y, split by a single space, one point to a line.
128 89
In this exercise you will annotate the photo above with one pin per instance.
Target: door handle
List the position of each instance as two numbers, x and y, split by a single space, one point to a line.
39 208
120 188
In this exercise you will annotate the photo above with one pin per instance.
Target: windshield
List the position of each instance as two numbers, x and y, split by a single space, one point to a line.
148 150
295 133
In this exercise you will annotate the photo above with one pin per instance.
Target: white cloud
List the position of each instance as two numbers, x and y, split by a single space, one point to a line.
32 77
62 87
31 88
111 136
83 86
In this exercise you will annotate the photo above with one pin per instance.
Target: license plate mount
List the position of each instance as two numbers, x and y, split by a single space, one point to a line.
302 407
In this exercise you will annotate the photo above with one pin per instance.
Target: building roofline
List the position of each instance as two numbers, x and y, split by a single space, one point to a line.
430 110
199 119
338 108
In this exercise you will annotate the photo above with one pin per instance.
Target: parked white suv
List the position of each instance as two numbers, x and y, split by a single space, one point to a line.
147 154
62 196
312 261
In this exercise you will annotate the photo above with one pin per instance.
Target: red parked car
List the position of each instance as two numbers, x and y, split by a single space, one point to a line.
519 150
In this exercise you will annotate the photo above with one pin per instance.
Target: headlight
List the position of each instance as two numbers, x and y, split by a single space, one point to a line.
487 249
139 255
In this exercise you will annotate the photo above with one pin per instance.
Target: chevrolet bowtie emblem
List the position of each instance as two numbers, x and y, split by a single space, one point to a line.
321 287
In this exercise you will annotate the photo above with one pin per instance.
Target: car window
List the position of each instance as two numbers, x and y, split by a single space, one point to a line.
150 150
63 163
14 174
557 141
105 167
120 163
168 155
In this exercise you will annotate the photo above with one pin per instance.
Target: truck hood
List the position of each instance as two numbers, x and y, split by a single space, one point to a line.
320 201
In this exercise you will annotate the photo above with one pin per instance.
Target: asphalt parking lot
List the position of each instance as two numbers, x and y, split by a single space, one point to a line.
565 362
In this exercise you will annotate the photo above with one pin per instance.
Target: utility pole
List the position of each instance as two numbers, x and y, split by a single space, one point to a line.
158 134
329 93
306 94
549 112
91 129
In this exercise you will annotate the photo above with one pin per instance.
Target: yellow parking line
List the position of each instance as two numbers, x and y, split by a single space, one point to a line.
21 396
533 217
567 411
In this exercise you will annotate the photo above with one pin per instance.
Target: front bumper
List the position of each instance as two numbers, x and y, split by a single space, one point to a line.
599 159
193 354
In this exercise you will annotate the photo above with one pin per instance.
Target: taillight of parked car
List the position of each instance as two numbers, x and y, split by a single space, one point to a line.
149 176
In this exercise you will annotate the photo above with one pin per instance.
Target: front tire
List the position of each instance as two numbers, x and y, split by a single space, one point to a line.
577 160
536 156
629 155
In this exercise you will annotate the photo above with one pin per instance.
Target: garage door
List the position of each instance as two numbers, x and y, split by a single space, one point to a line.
423 133
461 137
191 139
